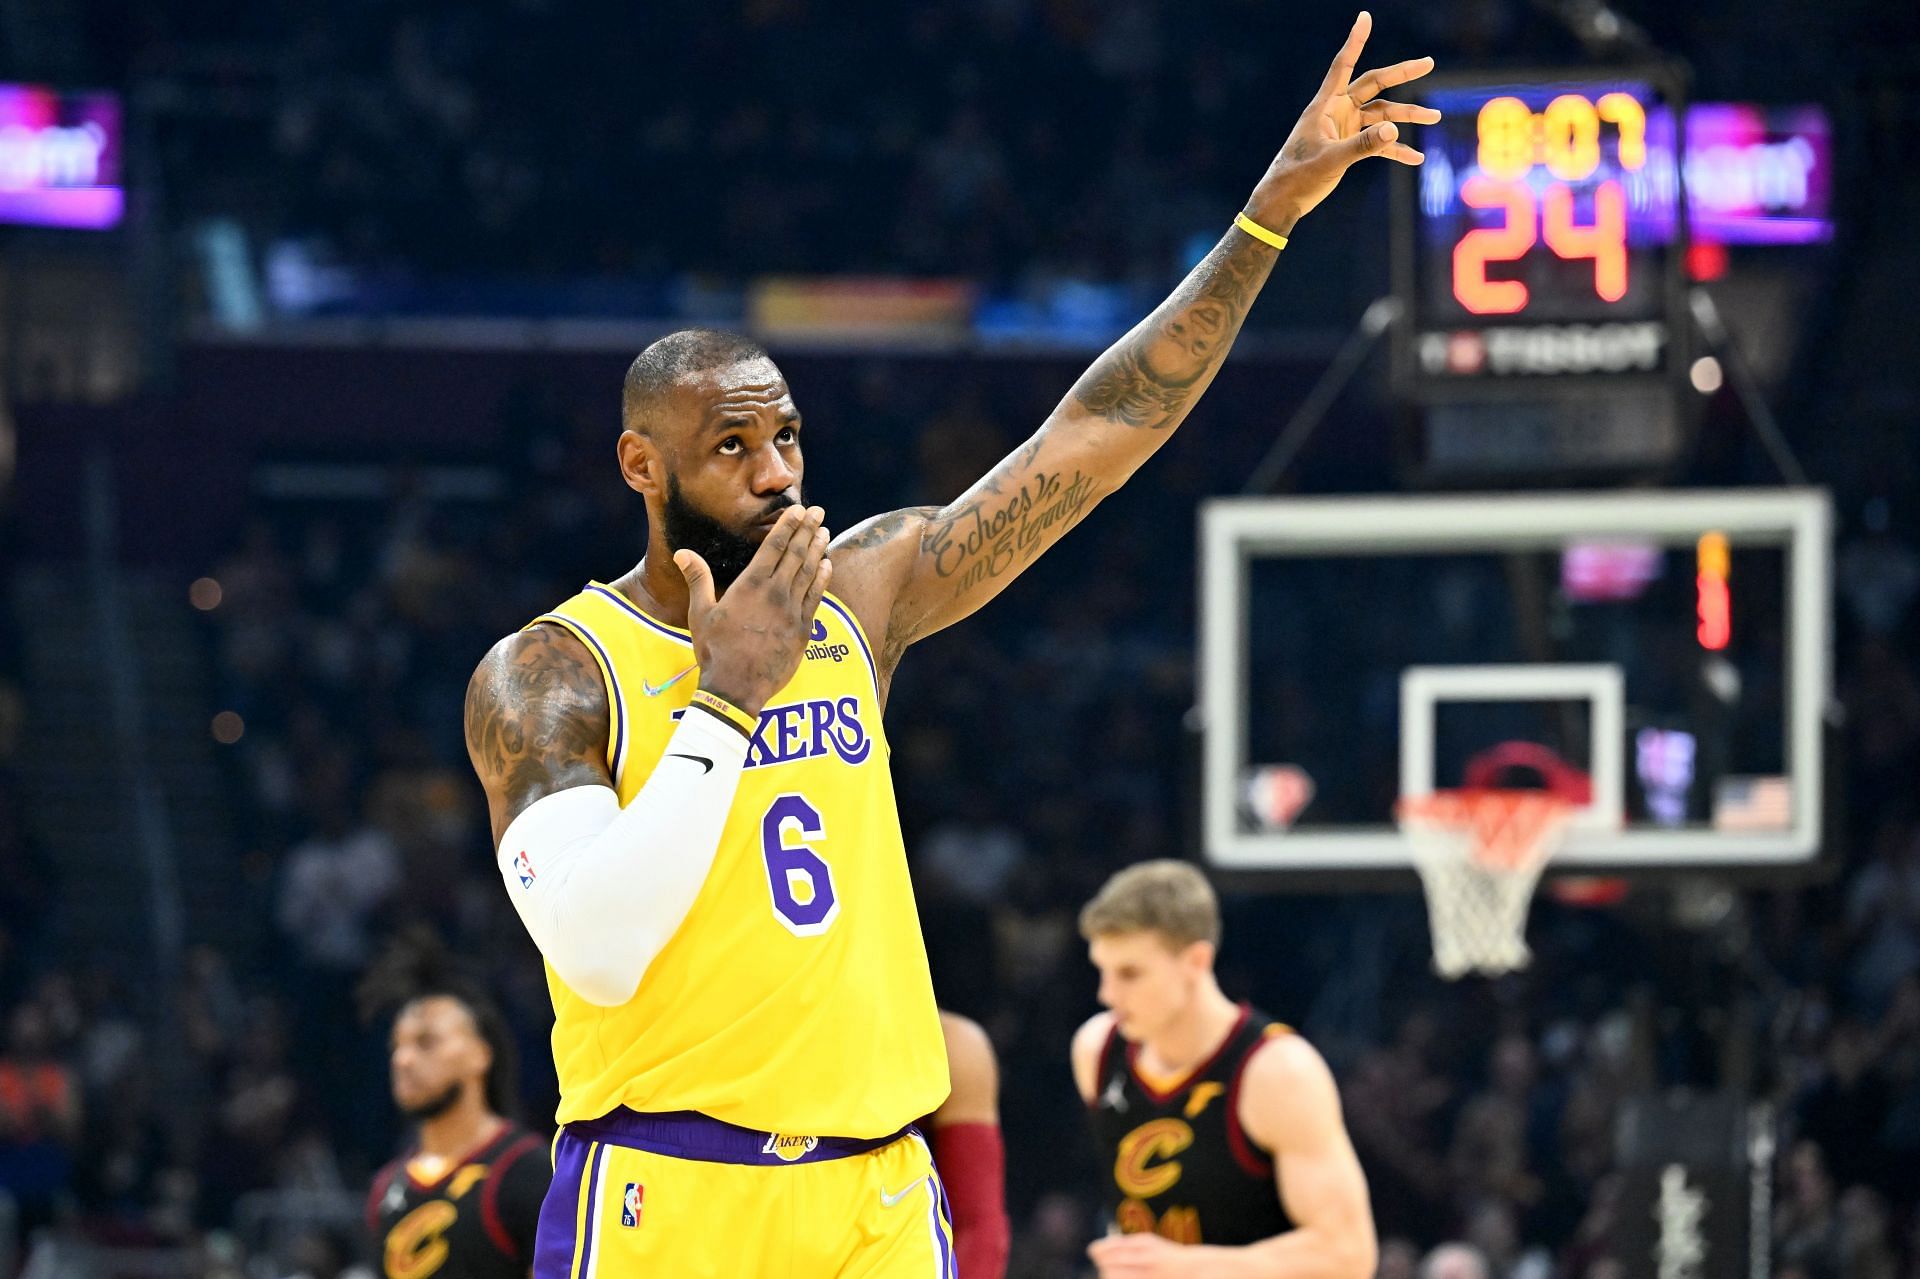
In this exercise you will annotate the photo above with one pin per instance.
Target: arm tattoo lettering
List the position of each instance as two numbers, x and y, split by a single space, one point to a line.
1154 375
990 534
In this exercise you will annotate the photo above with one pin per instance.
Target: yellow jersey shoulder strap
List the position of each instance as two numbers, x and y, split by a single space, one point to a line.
621 639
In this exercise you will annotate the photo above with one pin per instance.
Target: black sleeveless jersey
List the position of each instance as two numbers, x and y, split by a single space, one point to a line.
476 1222
1179 1162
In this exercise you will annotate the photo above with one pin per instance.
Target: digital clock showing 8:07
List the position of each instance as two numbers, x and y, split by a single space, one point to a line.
1543 228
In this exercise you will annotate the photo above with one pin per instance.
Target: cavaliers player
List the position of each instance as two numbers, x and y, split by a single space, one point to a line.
463 1202
968 1151
689 789
1221 1128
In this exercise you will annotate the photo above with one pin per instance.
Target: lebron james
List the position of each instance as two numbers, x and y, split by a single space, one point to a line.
687 774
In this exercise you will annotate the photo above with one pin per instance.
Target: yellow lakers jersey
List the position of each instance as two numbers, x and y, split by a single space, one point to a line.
795 997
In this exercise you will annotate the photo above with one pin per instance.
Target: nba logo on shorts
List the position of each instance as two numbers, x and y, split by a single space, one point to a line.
630 1204
523 868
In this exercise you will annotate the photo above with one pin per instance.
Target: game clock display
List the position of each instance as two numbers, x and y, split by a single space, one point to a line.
1537 258
1541 237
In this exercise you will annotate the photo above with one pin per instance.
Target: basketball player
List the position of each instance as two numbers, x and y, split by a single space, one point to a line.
464 1201
1221 1128
968 1152
689 787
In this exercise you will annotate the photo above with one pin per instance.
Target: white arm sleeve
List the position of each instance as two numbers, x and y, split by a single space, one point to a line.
601 888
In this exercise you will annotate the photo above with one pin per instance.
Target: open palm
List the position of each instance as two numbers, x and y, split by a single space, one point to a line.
1346 122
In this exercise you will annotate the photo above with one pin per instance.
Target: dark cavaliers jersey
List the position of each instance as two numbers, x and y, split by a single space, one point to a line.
475 1222
1178 1162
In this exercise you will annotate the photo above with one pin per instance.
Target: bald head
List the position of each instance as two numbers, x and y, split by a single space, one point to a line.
674 359
1454 1261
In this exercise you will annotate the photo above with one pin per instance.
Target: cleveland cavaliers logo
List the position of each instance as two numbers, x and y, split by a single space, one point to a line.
787 1149
1146 1166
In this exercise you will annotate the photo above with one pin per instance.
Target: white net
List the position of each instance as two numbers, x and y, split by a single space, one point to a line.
1480 854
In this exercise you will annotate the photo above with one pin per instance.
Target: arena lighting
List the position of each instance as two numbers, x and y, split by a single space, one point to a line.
1706 375
1715 600
59 158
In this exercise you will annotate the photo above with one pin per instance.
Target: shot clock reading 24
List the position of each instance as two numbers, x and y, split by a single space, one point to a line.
1544 230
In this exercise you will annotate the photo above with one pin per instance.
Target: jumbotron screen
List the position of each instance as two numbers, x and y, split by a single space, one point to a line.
59 158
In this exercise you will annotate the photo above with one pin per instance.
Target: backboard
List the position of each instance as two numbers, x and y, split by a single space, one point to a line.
1662 659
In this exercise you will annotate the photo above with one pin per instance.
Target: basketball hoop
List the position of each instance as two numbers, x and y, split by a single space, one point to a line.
1480 853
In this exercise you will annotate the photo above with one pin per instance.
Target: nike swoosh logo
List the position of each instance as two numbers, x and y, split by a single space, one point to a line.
889 1200
654 690
706 764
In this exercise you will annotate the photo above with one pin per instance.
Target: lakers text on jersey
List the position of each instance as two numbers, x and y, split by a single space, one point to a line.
795 998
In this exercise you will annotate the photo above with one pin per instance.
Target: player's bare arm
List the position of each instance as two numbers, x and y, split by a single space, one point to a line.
537 726
536 713
975 1098
1085 1053
969 1150
1290 1106
536 720
913 572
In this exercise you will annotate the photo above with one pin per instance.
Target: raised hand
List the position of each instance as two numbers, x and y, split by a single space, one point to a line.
1346 122
750 641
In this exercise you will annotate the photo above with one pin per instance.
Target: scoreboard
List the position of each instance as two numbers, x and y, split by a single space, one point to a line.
1537 258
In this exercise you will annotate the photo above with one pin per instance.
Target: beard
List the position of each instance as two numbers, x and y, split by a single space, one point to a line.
726 551
435 1106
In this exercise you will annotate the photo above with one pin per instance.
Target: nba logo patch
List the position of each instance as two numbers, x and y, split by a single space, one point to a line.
523 868
630 1204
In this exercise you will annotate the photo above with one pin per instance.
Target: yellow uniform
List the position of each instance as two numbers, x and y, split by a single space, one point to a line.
793 1005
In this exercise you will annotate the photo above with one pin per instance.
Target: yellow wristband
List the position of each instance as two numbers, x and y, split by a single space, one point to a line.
725 710
1259 232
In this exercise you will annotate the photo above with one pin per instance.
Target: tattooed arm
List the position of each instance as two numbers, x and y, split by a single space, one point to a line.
536 722
913 572
601 887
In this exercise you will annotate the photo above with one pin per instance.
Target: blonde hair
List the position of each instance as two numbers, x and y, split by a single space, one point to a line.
1166 897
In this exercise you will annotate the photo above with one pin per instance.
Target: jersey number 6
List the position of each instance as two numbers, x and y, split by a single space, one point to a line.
799 879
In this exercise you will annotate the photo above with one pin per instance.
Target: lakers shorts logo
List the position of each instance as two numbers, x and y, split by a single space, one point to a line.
789 1148
681 1194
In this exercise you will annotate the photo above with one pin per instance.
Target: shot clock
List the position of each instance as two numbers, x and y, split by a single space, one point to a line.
1537 259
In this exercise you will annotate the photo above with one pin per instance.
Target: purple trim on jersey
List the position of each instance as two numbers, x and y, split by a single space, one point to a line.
618 712
860 638
555 1240
634 611
688 1134
942 1213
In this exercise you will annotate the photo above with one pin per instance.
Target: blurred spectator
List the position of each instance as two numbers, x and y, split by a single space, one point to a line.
1489 1156
1806 1230
1883 916
336 882
1455 1261
1878 575
1399 1259
1865 1251
40 1115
